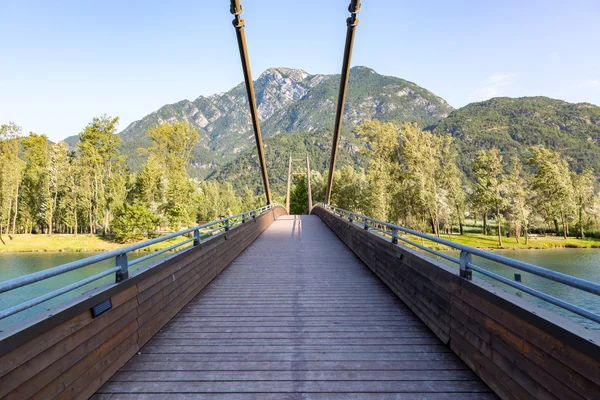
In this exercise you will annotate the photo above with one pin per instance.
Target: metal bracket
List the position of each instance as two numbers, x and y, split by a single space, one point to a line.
395 235
465 260
122 263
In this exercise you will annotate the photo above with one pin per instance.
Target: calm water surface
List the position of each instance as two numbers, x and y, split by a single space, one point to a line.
13 265
583 263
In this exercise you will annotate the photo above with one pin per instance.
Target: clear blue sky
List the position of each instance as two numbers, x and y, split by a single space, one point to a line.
64 62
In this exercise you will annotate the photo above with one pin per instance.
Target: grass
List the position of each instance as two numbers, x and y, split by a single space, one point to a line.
491 242
69 243
90 243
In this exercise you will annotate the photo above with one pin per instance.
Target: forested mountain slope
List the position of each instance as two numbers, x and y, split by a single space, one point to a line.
289 100
514 124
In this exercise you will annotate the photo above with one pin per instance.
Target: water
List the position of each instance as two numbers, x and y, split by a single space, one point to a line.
13 265
582 263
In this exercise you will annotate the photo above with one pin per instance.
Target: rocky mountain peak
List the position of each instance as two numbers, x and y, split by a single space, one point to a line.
281 73
289 100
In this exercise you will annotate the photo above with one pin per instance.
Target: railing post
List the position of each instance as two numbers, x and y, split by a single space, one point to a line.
395 235
123 273
196 237
465 260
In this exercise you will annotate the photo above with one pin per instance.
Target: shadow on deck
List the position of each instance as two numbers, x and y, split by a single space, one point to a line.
297 315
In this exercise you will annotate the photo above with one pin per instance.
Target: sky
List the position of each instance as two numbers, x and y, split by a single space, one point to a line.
63 63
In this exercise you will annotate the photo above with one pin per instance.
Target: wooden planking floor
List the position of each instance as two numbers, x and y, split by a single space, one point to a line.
296 316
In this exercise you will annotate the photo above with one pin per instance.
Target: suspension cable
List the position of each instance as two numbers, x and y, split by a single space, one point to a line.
351 22
238 23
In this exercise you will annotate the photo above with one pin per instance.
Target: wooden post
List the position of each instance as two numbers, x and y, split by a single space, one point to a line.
289 183
308 183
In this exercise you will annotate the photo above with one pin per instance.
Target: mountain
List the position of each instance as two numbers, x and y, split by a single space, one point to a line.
289 100
245 170
514 124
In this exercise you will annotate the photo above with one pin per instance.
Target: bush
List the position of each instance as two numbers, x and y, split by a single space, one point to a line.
133 222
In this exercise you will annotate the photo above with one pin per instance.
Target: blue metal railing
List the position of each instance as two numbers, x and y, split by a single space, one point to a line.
466 266
201 234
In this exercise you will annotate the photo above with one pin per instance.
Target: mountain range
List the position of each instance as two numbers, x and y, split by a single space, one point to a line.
289 100
297 112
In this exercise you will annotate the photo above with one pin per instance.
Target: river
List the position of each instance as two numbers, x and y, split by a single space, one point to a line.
582 263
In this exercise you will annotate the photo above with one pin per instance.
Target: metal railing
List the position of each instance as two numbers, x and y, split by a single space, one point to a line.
200 234
393 233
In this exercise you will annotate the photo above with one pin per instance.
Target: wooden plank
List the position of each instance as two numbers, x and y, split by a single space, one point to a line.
46 358
115 331
16 357
296 386
521 350
70 381
354 365
294 375
295 312
76 355
297 396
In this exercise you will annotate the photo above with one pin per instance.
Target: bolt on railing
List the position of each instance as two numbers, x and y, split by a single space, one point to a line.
465 263
200 234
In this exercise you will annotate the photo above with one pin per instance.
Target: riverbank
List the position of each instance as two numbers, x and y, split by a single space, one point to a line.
510 243
95 243
68 243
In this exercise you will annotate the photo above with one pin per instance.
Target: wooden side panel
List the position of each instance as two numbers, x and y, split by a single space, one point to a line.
70 355
520 350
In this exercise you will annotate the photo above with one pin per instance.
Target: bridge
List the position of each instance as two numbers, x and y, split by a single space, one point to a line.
267 305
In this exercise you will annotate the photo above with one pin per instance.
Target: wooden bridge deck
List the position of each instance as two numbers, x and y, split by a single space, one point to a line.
296 316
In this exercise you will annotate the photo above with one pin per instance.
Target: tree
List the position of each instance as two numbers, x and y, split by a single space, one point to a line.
349 188
11 175
381 140
36 185
551 186
583 187
164 177
299 195
452 180
250 201
100 161
518 210
133 222
58 167
423 159
489 188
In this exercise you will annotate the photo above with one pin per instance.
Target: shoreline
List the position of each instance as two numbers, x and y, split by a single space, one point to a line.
82 243
29 243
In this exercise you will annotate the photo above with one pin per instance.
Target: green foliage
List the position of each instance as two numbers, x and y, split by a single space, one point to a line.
299 196
245 171
11 175
513 125
551 185
289 101
133 222
489 191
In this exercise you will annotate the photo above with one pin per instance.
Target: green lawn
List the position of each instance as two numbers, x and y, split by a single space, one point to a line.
77 243
85 243
491 242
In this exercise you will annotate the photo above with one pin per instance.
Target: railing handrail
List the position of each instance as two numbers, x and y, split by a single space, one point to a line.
121 259
466 265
